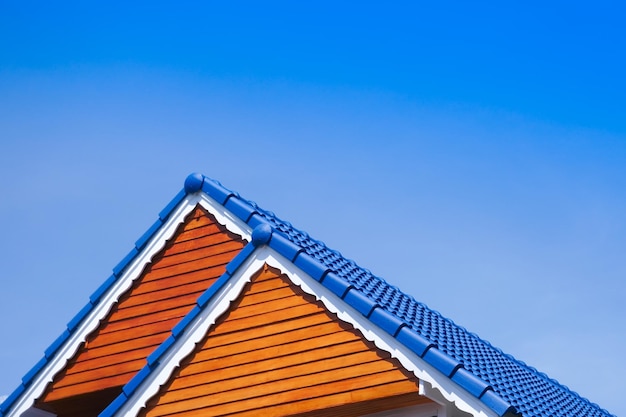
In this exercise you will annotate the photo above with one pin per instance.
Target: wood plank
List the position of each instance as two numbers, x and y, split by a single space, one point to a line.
115 380
349 364
208 275
261 297
201 229
273 328
324 334
155 309
128 337
127 345
86 365
243 364
165 294
345 404
198 249
282 392
197 265
264 319
116 323
267 347
267 285
269 307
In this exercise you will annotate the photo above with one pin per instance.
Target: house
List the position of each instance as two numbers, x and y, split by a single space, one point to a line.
221 308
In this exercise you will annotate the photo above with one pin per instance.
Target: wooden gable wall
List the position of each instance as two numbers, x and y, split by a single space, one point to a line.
143 317
279 352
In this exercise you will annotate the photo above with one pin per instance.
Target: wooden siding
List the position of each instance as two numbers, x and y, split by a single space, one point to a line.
144 316
278 352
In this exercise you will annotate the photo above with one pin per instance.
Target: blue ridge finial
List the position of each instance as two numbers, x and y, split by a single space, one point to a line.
261 234
193 183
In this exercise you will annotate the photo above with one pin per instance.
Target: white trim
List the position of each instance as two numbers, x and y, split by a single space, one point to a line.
433 384
225 217
133 271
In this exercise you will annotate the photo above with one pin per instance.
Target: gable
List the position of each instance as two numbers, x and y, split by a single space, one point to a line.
143 317
278 351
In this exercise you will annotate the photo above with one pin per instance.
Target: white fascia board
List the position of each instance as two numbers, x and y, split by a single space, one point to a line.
122 284
433 384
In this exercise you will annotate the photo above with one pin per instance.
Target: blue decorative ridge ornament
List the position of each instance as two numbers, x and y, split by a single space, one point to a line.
261 234
193 183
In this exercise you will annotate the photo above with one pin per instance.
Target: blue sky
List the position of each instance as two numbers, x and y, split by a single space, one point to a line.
472 155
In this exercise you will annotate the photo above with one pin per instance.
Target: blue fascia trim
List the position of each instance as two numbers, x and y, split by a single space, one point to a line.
95 297
216 191
185 321
442 362
470 382
311 266
497 404
386 321
143 240
337 285
27 379
360 302
84 312
4 407
165 213
137 380
240 258
240 208
414 341
231 266
124 262
284 246
115 405
154 357
52 349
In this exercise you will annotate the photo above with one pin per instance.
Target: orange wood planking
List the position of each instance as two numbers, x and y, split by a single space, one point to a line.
280 352
144 316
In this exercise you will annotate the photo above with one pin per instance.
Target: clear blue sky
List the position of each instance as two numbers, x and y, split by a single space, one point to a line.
472 154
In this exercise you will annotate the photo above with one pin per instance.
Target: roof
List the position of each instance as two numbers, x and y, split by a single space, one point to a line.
504 384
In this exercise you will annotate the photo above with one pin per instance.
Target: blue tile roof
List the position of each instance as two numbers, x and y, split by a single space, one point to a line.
504 384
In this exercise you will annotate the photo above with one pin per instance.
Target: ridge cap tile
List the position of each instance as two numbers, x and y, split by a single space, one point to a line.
216 190
362 303
284 246
143 240
240 208
386 321
121 266
78 318
311 266
165 213
441 361
336 284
